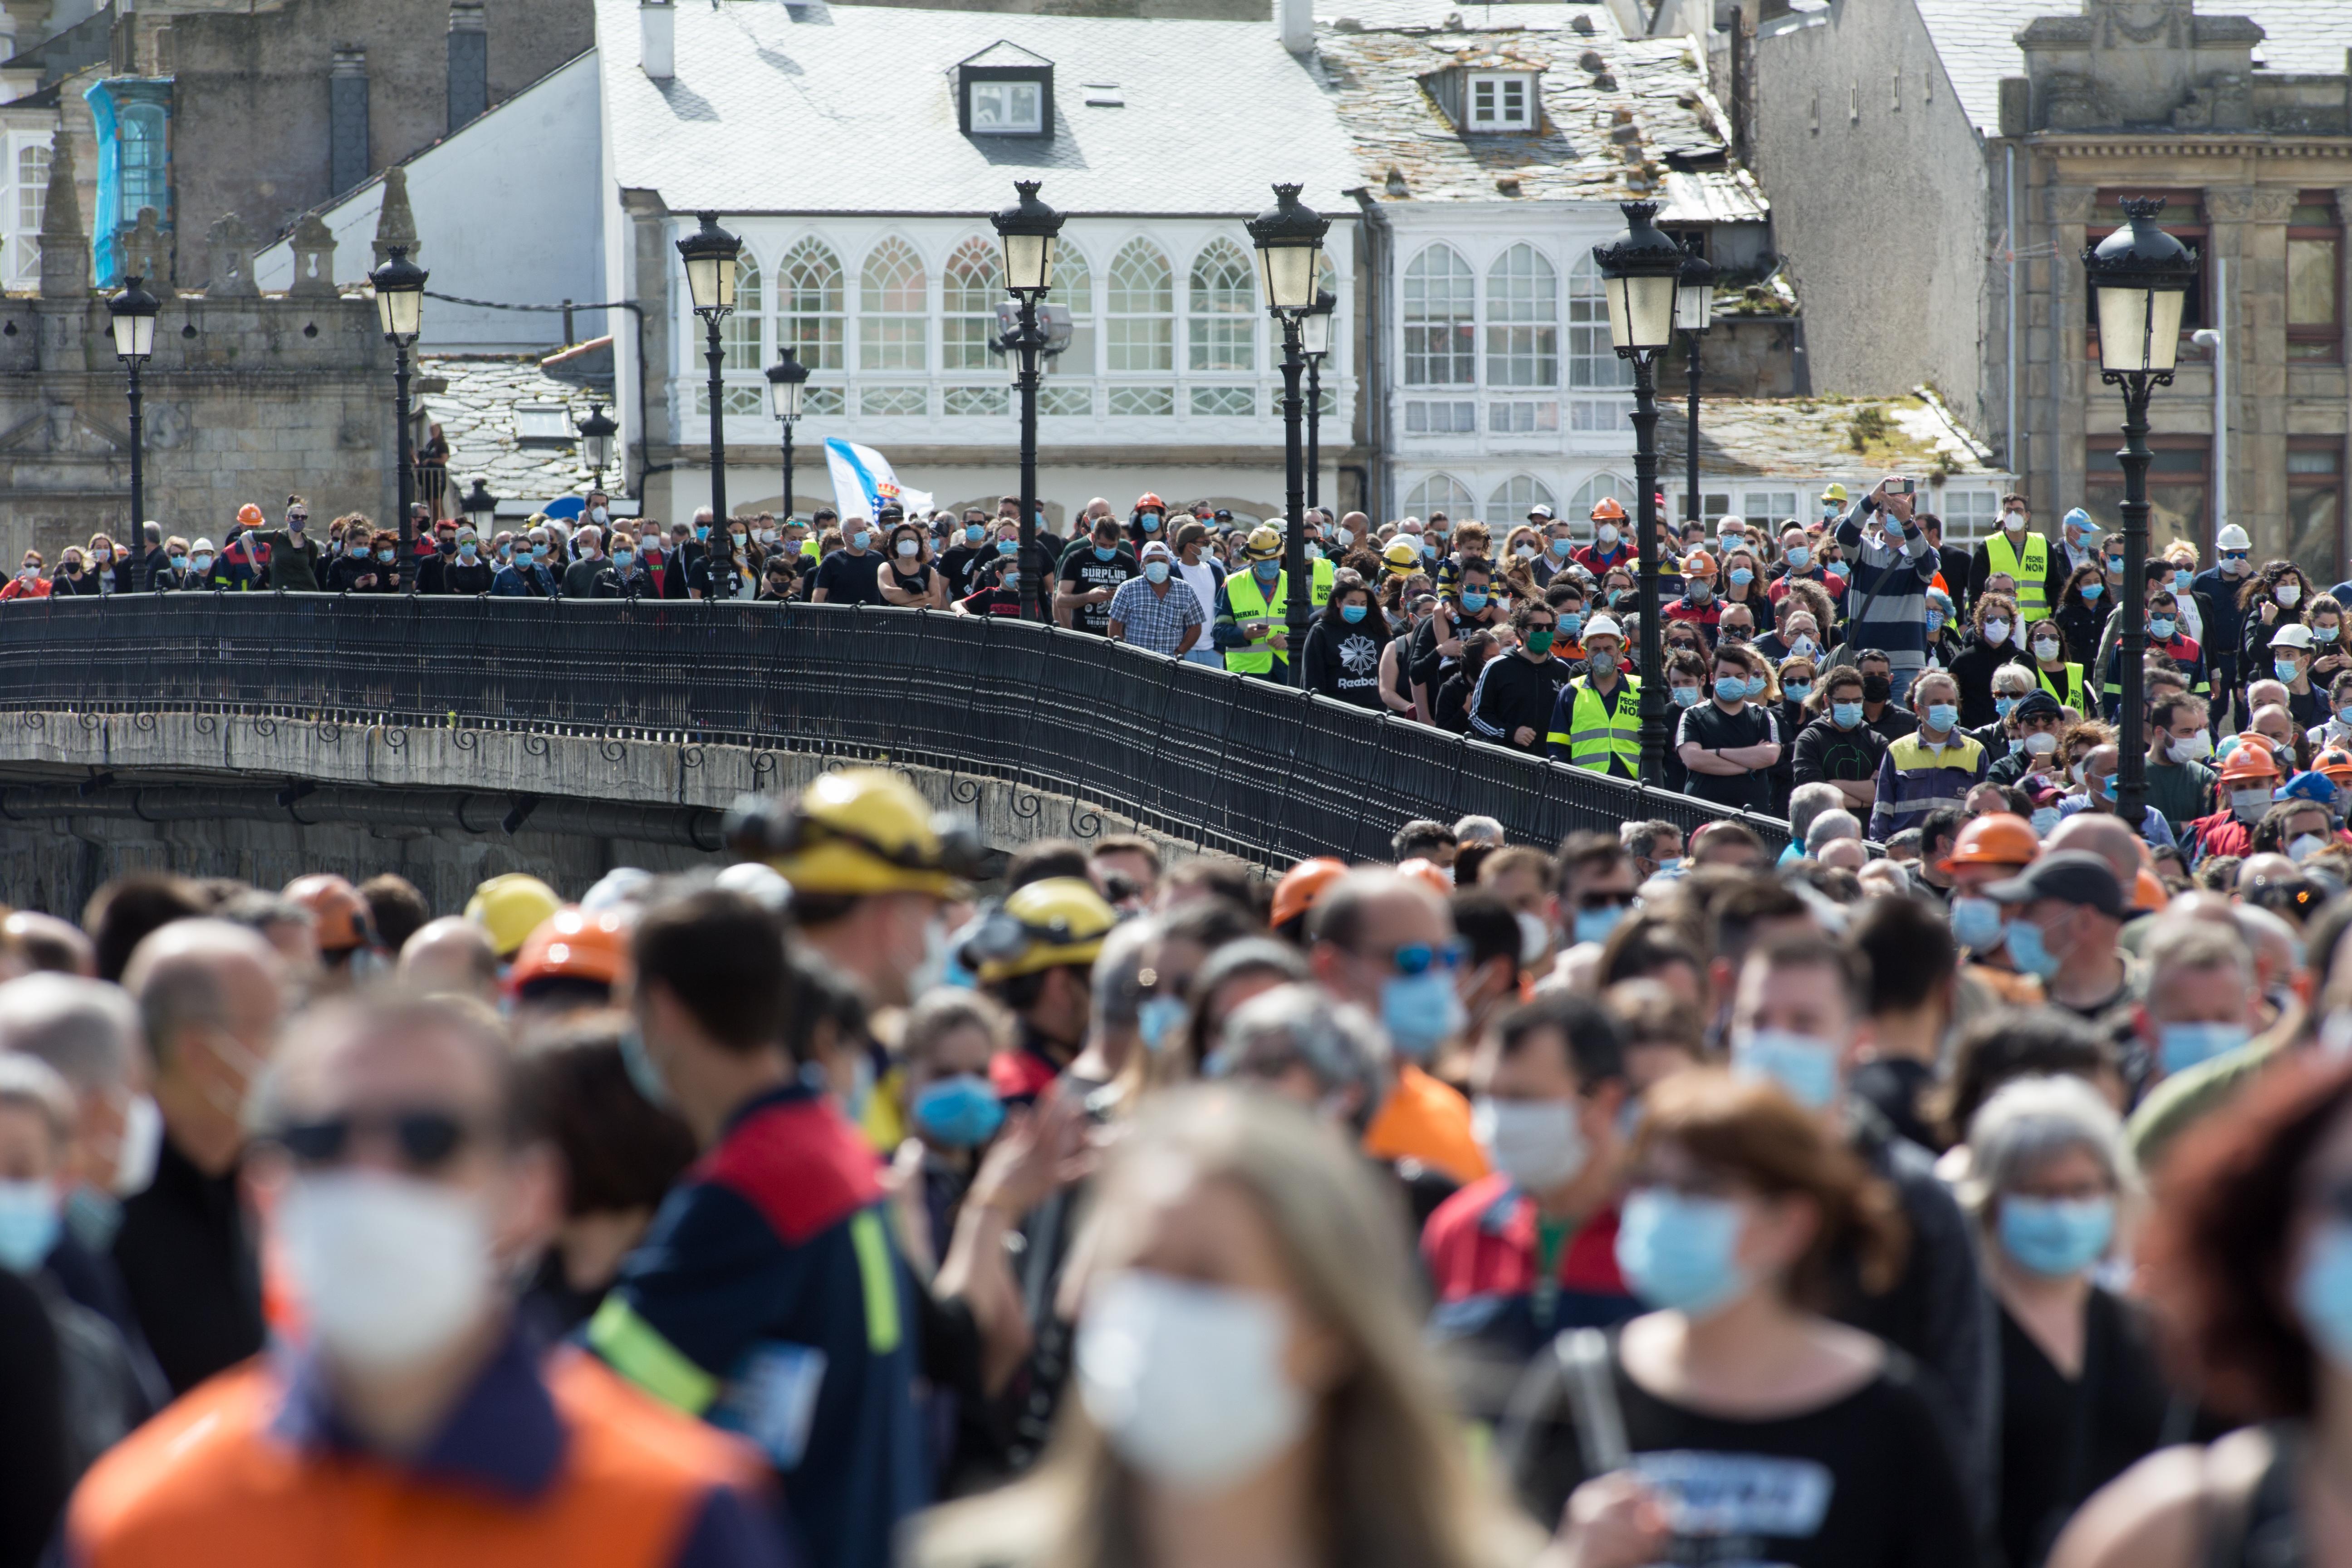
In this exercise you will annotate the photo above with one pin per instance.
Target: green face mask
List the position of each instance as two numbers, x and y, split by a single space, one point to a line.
1540 642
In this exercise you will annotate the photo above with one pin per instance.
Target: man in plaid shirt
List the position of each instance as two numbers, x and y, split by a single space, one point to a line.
1151 612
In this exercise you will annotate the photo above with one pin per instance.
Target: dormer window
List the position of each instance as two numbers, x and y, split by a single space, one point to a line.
1501 102
1005 90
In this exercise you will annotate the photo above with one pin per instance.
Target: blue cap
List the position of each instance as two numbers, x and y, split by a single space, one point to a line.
2316 787
2078 517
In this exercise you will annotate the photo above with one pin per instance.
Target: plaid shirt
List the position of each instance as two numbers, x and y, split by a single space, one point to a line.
1155 620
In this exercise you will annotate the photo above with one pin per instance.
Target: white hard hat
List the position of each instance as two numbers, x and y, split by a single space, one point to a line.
1603 626
2232 537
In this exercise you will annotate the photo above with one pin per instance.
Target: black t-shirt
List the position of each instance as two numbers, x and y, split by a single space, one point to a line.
1711 728
849 579
2062 1439
1898 1087
961 564
1865 1481
1082 570
993 602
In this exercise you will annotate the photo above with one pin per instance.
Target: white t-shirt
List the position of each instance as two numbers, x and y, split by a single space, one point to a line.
1202 580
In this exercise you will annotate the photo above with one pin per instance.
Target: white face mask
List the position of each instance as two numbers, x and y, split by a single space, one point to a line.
2250 803
1996 632
1534 939
1187 1379
389 1269
142 1141
2013 520
1536 1142
2044 649
2040 743
2288 594
2305 847
2195 749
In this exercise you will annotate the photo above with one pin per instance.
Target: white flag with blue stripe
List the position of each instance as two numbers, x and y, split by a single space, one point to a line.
862 482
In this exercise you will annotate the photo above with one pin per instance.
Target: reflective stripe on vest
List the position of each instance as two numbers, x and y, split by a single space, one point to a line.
1249 604
2031 572
2072 697
1601 728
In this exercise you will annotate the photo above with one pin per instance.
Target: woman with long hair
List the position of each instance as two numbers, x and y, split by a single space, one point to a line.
1251 1386
2084 609
1995 637
909 578
2277 596
1344 646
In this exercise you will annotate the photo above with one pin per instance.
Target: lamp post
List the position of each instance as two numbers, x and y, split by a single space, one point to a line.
1641 271
596 431
1289 240
481 510
1027 232
133 314
787 392
709 255
2140 276
1315 341
1694 313
399 285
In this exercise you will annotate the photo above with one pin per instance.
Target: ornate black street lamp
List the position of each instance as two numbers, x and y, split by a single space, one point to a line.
481 510
2140 276
1694 313
596 431
1641 271
710 254
1289 240
399 285
1028 231
1315 341
787 394
133 313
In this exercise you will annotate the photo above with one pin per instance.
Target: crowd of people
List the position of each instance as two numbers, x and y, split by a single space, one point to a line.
1857 651
1623 1201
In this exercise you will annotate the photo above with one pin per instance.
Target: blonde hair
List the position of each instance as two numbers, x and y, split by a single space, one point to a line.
1392 1489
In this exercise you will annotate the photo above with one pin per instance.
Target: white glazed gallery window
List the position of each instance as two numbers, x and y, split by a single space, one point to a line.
1601 487
810 311
969 291
1222 305
1007 108
1441 307
1447 417
1501 103
1769 510
1592 353
32 188
893 310
739 334
1439 492
1140 333
1968 515
1512 500
1522 320
1074 288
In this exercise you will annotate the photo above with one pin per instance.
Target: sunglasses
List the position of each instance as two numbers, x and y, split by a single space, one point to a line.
1600 899
428 1140
1420 957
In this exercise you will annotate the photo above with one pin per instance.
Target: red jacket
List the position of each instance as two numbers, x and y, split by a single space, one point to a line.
1480 1244
2220 834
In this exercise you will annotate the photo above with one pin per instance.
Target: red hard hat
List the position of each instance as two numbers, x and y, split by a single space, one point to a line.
1147 500
1608 510
573 944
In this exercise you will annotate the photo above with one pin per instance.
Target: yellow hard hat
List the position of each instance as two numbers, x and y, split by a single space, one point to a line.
857 831
510 908
1833 492
1060 921
1402 559
1265 544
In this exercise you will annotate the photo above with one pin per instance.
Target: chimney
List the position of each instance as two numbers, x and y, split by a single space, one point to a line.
1298 20
469 62
658 38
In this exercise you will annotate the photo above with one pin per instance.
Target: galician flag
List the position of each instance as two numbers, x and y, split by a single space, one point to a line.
862 482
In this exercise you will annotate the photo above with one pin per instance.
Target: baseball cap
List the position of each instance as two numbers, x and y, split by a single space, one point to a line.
1539 510
2312 785
2069 876
1158 551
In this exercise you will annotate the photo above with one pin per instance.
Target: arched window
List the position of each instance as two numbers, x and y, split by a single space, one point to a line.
1439 492
1600 486
1509 503
809 304
32 190
1223 304
1522 320
892 306
1068 392
973 283
739 334
1592 353
1441 306
1141 325
144 183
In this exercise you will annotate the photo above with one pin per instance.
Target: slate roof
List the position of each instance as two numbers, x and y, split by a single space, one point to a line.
1977 40
476 410
850 109
1622 118
1805 438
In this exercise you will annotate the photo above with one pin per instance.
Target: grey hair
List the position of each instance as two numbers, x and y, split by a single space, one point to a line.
2011 679
1336 1041
1941 676
2030 1121
2194 946
85 1030
1478 830
1808 801
32 1083
1835 823
1118 968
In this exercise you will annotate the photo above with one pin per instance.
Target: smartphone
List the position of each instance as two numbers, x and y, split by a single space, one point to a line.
1898 486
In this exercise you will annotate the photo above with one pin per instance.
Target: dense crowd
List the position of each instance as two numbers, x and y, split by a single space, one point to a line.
1626 1201
1857 652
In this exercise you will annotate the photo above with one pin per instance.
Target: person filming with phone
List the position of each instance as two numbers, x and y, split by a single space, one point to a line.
1891 563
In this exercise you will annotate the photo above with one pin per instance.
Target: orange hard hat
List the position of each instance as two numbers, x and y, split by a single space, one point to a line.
2336 762
1698 561
574 943
2250 759
1148 498
1303 884
1608 510
1429 874
339 914
249 515
1995 838
2147 893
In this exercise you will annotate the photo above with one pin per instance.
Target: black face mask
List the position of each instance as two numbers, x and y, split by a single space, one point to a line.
1877 689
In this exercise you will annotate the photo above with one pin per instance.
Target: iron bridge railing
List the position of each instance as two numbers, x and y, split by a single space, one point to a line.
1231 763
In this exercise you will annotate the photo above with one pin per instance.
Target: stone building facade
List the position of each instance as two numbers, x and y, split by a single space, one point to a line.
248 397
1938 167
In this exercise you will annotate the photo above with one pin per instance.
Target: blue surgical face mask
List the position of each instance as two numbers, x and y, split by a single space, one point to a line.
1570 622
1730 689
2323 1291
1351 613
1800 557
1421 1012
2056 1236
1686 696
539 552
1742 576
961 1112
1560 547
643 1074
1845 715
1472 600
2183 1045
2044 819
624 559
702 530
179 563
1797 691
1008 547
1667 863
1805 1066
1976 923
1155 570
1155 1016
2093 589
384 555
1943 715
29 1223
1595 925
1266 570
2028 950
2286 670
2002 705
1681 1252
973 533
2161 627
1106 552
1150 522
2181 581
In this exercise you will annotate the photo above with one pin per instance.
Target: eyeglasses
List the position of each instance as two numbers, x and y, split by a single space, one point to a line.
1420 957
428 1140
